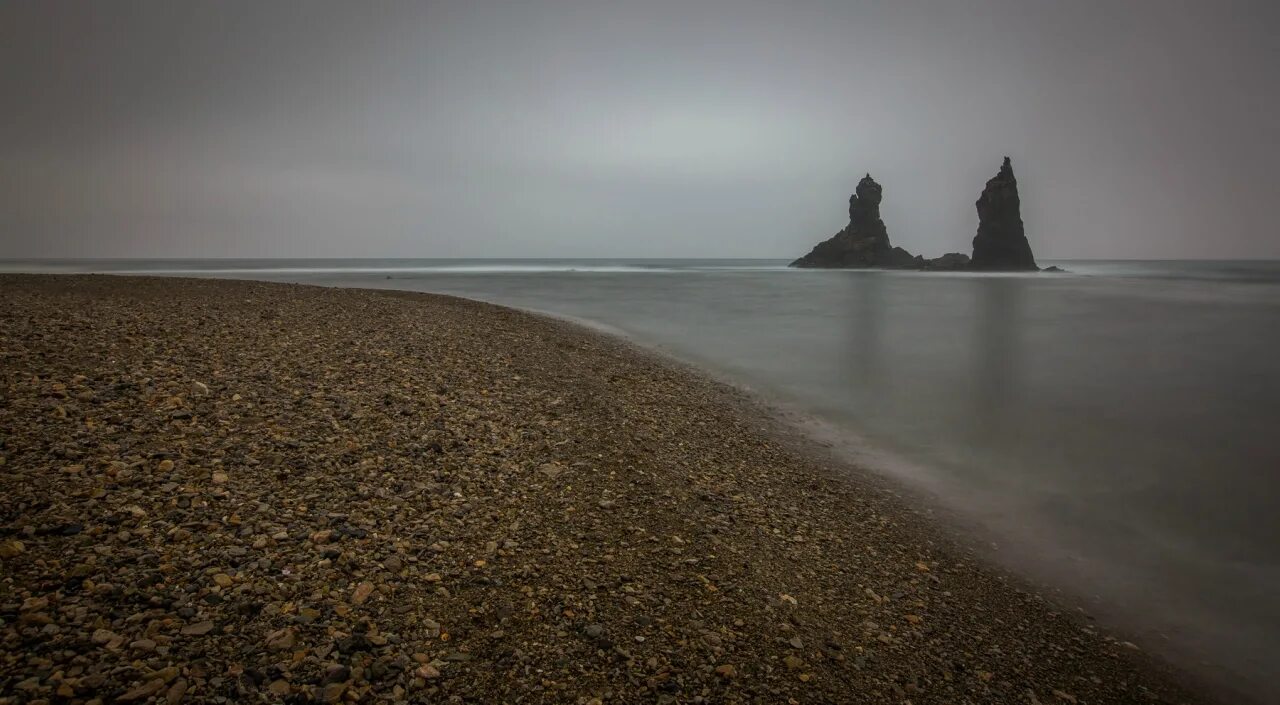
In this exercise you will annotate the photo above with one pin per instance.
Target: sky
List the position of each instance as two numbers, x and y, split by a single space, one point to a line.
593 128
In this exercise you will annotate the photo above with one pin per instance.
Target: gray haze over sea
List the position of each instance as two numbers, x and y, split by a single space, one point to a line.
1111 431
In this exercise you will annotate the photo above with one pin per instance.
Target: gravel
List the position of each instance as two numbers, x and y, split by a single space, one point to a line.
220 491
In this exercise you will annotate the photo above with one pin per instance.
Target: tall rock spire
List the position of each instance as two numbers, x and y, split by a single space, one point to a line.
864 242
1000 244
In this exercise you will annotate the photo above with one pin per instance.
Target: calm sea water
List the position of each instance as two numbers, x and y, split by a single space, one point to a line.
1113 431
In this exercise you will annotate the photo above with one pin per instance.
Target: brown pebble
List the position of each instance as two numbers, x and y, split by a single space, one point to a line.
362 593
143 691
199 628
176 692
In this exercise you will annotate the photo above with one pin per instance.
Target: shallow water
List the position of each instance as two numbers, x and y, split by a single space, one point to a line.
1112 429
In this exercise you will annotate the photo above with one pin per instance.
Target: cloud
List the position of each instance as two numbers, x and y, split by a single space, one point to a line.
574 128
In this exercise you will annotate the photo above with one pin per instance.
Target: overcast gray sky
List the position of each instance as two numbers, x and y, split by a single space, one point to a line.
589 128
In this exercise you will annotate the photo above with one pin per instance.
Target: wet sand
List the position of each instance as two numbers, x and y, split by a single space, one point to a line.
239 490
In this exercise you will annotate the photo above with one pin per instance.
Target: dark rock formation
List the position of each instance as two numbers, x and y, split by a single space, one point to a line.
950 262
864 242
1000 243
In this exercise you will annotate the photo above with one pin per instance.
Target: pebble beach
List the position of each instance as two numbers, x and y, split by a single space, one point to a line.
218 491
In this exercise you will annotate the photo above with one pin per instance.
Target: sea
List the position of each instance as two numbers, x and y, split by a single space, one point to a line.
1112 432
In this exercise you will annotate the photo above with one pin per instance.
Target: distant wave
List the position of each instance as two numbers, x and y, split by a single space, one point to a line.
1243 272
1239 271
355 267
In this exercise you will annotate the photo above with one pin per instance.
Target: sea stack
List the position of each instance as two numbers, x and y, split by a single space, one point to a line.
1000 244
864 242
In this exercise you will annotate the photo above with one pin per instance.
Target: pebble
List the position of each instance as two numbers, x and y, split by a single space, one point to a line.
332 692
199 628
282 640
176 692
143 691
362 593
